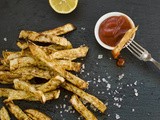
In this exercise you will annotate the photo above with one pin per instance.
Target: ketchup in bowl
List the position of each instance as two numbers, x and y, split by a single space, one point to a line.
112 29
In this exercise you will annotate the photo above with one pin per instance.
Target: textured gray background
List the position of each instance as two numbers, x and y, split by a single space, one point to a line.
37 15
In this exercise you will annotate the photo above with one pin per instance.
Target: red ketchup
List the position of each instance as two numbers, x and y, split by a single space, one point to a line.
113 29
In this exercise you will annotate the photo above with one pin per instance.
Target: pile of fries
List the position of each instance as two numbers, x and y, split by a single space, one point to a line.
51 62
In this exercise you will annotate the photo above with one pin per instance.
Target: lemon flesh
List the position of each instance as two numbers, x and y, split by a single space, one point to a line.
63 6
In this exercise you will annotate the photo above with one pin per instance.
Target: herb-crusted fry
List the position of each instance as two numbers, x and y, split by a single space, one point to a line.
30 61
3 68
39 53
34 36
78 105
70 54
17 112
4 114
7 77
12 94
21 85
23 45
52 84
36 115
60 30
21 62
90 98
11 55
4 92
34 71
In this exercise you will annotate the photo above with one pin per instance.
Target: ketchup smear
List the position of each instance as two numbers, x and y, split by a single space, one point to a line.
113 29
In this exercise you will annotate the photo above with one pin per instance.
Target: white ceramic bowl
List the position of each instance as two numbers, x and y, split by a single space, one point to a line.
104 17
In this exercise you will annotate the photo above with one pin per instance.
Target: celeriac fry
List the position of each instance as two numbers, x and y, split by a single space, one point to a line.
3 68
7 77
36 115
70 54
90 98
128 35
23 45
34 71
52 84
21 85
34 36
47 49
4 92
30 61
36 51
68 65
17 112
12 94
78 105
4 114
11 55
21 62
60 30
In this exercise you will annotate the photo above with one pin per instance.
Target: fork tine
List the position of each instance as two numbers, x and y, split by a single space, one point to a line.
138 45
133 52
135 49
134 46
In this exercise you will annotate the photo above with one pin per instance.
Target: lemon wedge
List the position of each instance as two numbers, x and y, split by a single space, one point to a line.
63 6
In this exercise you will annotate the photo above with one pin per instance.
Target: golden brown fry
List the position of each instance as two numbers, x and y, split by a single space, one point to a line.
4 92
72 78
30 61
34 36
52 84
12 94
11 55
3 68
128 35
7 77
23 45
34 71
67 65
39 53
60 30
4 114
36 115
90 98
22 62
21 85
78 105
70 54
17 112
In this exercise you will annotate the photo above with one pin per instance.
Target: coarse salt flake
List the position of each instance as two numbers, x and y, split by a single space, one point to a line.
120 76
117 116
100 56
5 39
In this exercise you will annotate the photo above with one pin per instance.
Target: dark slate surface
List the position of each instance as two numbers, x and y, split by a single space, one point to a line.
37 15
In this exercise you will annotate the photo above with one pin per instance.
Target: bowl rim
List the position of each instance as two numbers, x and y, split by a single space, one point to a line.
101 19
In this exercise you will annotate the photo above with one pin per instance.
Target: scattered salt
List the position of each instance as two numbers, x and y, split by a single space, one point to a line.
117 116
108 86
82 28
120 76
136 92
5 39
135 83
104 80
100 56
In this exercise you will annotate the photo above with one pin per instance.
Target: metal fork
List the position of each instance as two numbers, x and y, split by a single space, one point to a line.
141 53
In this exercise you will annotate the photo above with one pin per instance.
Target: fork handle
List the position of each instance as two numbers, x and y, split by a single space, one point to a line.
157 64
